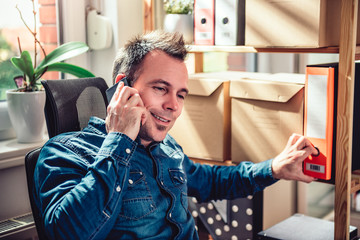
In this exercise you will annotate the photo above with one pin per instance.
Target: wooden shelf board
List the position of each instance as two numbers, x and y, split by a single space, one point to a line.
248 49
211 162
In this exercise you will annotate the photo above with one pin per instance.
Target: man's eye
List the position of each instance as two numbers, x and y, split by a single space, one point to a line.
159 88
181 97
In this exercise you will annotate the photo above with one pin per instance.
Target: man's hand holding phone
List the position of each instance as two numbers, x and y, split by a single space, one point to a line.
125 112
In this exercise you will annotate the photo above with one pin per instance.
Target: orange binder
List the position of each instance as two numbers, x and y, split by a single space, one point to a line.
204 22
319 119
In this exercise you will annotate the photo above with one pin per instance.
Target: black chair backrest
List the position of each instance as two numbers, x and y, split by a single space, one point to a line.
69 105
30 163
71 102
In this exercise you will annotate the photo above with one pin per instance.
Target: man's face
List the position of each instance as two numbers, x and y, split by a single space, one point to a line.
162 86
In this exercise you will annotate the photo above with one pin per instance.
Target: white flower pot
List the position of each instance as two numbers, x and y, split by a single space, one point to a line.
182 23
26 111
6 129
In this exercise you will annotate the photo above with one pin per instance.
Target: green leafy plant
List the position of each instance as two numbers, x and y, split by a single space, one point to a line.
51 62
179 6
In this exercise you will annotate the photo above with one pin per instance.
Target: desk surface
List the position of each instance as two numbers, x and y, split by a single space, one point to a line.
301 227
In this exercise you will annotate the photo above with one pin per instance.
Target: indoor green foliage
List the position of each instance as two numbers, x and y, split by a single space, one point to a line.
52 62
7 74
178 6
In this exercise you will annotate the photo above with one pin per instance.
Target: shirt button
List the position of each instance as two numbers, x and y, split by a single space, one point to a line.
131 181
128 151
118 188
169 215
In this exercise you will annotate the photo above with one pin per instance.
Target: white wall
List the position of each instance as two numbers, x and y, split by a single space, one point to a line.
276 62
127 21
125 16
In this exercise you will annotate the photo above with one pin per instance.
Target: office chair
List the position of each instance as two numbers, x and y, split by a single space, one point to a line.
30 163
69 105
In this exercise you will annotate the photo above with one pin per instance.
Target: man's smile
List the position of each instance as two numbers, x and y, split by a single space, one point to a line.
160 118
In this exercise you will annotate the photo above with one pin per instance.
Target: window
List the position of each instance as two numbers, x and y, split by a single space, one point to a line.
12 27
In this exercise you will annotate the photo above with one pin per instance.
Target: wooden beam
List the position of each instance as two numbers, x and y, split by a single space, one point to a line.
212 162
199 62
345 103
148 6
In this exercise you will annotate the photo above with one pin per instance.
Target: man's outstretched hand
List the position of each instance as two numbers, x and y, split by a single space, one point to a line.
288 164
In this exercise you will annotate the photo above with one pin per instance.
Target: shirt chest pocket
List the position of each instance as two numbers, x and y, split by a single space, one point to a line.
137 200
179 180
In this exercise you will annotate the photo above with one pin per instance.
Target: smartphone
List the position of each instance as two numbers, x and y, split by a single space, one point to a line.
111 90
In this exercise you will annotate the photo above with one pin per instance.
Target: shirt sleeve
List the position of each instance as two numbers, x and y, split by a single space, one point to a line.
227 182
79 199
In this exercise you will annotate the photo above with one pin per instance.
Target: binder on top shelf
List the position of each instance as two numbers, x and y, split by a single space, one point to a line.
204 14
229 22
332 69
319 119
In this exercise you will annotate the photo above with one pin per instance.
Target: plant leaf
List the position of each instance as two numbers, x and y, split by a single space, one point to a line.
40 72
24 63
71 69
63 52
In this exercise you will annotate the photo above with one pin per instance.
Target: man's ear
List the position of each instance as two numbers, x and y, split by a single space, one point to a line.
119 77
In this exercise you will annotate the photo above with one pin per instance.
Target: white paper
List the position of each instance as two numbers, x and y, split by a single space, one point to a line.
316 106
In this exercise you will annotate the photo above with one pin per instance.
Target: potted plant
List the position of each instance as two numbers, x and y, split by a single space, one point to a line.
26 103
179 18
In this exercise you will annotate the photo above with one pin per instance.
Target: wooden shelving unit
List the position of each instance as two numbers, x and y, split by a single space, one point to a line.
345 105
247 49
346 182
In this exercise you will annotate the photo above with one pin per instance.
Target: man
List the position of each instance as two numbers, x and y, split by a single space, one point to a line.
125 177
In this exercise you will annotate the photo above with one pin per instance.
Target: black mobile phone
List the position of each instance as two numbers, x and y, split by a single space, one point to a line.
111 90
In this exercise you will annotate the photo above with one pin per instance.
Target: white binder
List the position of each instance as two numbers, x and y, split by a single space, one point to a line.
229 22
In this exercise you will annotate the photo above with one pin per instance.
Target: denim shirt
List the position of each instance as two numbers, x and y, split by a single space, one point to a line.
94 185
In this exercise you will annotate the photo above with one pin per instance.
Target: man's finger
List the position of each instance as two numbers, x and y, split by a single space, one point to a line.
135 100
306 178
302 154
126 94
317 152
117 92
292 140
309 147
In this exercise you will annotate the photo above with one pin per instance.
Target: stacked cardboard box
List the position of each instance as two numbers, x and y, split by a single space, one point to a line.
293 23
203 128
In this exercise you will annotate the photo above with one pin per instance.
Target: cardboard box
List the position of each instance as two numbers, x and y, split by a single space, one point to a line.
264 114
293 23
203 128
265 110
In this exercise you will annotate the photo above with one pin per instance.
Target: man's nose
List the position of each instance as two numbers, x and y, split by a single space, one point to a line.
171 102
